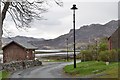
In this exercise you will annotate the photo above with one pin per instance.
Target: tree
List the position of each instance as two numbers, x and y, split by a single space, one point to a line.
23 12
103 45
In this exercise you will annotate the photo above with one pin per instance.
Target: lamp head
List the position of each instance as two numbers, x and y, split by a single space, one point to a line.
74 7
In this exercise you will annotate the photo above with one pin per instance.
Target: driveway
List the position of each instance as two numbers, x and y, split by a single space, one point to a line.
0 66
48 70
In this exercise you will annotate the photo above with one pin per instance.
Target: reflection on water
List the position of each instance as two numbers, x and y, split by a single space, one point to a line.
50 54
56 54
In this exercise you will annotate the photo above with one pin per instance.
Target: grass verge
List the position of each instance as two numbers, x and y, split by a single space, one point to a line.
4 74
93 68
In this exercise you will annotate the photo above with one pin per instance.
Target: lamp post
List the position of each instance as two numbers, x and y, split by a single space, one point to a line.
96 50
67 47
74 8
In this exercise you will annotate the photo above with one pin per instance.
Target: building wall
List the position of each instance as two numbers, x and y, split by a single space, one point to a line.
109 44
14 52
119 36
114 40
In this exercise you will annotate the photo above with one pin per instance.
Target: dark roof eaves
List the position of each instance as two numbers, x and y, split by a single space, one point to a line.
19 45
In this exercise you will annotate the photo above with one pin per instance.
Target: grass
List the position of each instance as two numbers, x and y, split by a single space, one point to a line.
112 72
4 74
92 67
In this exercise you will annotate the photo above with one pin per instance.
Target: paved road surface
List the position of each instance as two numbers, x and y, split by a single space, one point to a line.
48 70
0 66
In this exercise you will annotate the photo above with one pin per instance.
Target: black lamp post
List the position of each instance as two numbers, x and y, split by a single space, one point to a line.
74 8
67 47
96 49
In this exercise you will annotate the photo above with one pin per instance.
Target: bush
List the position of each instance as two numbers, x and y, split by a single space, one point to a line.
113 55
103 47
104 55
108 55
86 55
118 51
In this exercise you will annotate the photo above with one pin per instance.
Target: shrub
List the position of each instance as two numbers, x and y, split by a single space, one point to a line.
86 55
103 47
113 55
118 51
108 55
104 55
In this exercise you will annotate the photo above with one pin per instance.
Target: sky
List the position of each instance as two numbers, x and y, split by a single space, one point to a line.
59 20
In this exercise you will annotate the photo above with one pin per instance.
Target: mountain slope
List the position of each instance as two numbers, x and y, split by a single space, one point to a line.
21 38
83 35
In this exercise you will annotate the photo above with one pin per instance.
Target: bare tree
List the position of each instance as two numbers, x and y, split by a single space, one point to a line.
23 12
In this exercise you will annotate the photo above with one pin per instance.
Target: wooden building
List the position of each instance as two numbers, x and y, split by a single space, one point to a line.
17 50
114 40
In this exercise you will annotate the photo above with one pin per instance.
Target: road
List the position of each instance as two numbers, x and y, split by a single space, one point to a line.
48 70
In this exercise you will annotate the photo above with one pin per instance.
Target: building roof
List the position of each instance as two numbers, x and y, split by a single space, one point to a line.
23 44
116 32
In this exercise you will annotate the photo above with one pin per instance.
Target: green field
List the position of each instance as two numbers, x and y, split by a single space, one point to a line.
93 69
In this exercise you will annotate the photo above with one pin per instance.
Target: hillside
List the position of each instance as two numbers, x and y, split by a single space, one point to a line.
84 34
21 38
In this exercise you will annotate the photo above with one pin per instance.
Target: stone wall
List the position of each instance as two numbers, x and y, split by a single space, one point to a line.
19 65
